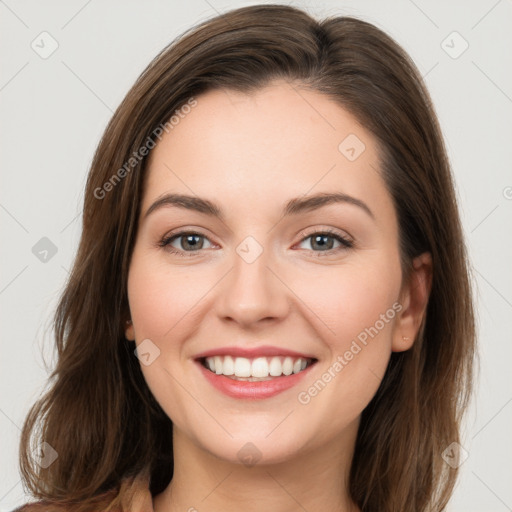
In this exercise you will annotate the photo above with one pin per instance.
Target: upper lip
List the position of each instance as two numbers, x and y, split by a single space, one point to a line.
250 353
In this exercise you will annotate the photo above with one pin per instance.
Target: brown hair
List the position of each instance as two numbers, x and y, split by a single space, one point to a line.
99 414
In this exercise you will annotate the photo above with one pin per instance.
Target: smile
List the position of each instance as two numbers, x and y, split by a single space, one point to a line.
256 369
253 378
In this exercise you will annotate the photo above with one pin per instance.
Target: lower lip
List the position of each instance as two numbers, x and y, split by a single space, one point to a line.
253 390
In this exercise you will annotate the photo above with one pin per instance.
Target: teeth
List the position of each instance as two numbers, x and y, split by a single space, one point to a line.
217 361
228 366
288 366
242 367
275 367
258 368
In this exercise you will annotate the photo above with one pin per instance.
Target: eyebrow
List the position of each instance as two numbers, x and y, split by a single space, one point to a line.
294 206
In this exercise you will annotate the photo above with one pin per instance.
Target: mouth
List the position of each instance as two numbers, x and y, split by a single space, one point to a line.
257 369
245 372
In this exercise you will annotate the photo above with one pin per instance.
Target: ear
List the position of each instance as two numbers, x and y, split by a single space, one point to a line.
129 332
414 299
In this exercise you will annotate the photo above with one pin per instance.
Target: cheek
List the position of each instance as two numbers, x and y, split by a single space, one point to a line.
161 300
348 299
357 308
162 310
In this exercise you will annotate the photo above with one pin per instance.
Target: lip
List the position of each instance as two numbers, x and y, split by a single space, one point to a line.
252 390
250 353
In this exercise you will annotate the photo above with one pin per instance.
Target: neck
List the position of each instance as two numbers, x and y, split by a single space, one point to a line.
313 480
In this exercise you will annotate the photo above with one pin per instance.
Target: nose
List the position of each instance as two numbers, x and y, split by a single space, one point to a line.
253 292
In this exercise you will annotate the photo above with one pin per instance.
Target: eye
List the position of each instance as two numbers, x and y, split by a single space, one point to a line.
190 242
325 240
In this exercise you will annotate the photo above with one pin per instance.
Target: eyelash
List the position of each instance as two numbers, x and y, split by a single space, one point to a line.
345 243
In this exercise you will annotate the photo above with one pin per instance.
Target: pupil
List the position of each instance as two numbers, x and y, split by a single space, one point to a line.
189 238
322 244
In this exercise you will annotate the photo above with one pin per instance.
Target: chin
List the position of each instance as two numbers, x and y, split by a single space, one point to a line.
250 451
252 442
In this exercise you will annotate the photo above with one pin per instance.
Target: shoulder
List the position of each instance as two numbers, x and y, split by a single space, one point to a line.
134 496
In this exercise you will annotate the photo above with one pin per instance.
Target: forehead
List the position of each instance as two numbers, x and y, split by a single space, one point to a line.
278 142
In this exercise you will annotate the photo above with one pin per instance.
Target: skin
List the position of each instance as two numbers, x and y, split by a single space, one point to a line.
250 154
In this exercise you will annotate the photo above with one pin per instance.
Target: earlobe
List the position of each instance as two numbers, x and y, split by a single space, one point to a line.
415 297
129 332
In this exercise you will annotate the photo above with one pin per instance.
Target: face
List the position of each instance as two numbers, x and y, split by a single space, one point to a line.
268 280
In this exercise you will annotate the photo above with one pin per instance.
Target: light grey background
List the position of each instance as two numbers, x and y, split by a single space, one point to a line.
54 110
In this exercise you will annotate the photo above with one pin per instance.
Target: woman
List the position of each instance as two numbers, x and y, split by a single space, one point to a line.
270 307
